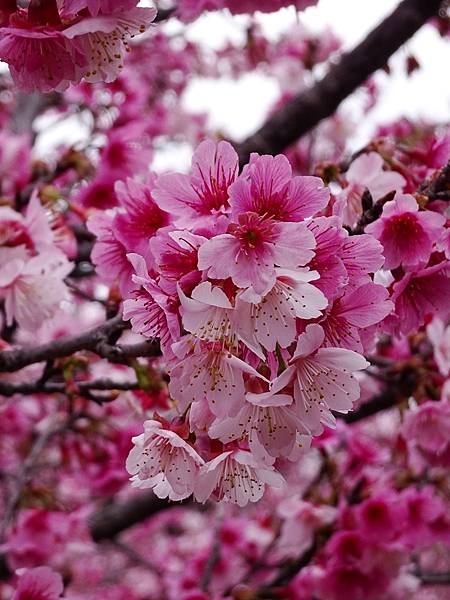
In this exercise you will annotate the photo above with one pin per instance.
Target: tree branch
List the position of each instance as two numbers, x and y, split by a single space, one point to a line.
96 340
292 568
51 387
401 386
306 110
113 518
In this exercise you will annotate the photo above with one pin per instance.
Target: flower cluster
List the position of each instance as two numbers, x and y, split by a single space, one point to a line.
262 306
51 44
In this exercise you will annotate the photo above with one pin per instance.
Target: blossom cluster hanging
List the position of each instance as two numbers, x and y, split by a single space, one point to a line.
262 305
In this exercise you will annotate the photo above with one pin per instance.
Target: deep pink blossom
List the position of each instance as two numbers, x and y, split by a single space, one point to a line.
357 309
141 218
78 46
330 238
151 310
406 233
109 254
266 187
205 191
361 255
420 293
381 517
23 48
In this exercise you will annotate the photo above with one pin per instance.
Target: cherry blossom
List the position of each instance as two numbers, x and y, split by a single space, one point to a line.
323 378
205 191
406 233
249 252
235 476
32 289
419 293
366 172
163 461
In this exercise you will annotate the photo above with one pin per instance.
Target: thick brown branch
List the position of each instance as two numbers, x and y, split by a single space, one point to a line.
306 110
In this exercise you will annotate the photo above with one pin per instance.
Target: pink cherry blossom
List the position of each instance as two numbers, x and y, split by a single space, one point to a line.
300 521
175 255
357 569
270 320
72 7
141 218
266 187
423 510
151 311
15 158
109 254
361 255
163 461
323 378
44 536
75 46
104 39
31 230
205 191
270 422
381 517
99 192
427 431
209 370
362 307
23 48
406 233
251 250
420 293
39 584
366 171
235 476
208 314
32 288
330 238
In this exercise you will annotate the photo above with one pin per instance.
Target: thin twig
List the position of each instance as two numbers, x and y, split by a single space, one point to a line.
214 555
95 340
51 387
28 466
